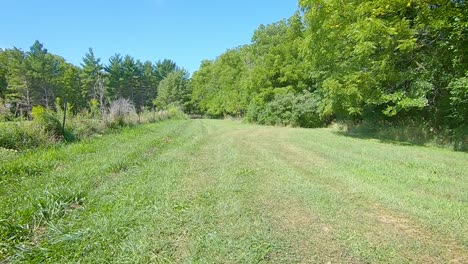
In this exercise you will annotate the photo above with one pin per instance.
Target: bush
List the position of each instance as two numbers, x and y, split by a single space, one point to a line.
5 113
285 108
121 113
46 129
459 103
175 112
48 120
22 135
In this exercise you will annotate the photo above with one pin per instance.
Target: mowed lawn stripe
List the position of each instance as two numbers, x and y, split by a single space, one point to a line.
212 191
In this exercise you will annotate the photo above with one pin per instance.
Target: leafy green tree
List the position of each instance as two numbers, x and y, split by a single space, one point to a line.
201 86
395 58
286 108
278 62
220 87
70 83
175 90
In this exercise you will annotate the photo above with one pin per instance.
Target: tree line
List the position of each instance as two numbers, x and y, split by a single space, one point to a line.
382 62
378 61
37 77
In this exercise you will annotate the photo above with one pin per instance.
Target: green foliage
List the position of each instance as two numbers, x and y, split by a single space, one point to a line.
37 77
3 73
60 108
175 112
48 121
164 68
174 90
5 113
22 135
459 101
36 84
459 111
131 79
362 60
380 55
82 126
285 109
91 68
220 87
94 108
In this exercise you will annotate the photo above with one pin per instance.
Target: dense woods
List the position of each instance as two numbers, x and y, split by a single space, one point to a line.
378 62
363 62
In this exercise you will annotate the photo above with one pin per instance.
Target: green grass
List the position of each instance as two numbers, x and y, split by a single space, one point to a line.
209 191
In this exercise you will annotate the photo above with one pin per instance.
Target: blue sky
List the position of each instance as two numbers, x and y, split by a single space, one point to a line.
184 31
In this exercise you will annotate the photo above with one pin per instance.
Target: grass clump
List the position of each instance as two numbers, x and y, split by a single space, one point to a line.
83 126
22 135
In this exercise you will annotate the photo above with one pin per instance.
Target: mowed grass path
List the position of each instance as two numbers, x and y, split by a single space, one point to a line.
209 191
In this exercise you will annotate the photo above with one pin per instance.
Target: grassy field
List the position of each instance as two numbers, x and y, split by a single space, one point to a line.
209 191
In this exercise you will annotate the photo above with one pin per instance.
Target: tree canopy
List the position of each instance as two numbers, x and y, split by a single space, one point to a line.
381 61
37 77
378 61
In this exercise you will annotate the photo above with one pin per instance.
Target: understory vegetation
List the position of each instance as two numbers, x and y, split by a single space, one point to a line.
47 128
213 191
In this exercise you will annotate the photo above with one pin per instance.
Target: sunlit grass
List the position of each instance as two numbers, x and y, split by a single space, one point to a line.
220 191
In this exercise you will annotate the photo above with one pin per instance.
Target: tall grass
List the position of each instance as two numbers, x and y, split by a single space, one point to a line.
46 128
412 133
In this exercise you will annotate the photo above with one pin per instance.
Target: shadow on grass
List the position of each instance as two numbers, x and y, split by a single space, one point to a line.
409 136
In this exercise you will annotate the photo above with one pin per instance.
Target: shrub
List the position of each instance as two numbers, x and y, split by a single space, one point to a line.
46 129
94 108
5 113
48 120
176 112
285 108
22 135
459 99
121 112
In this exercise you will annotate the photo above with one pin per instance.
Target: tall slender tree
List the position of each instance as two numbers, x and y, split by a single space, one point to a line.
91 69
